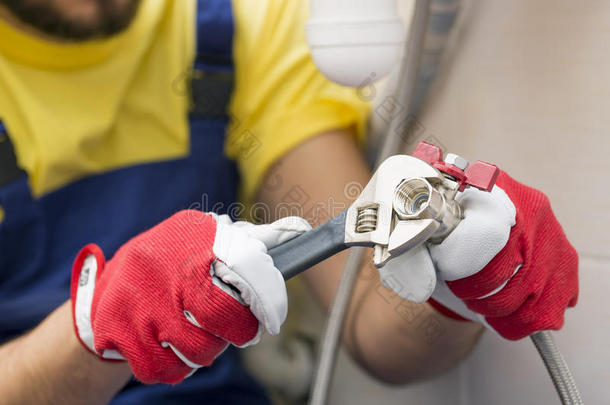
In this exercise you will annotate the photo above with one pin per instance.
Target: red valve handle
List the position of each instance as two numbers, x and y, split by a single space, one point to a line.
481 175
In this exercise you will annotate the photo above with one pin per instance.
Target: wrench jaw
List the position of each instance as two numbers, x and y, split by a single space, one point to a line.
410 200
407 235
374 220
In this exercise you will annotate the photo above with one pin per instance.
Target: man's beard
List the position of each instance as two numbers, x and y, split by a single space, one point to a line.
47 17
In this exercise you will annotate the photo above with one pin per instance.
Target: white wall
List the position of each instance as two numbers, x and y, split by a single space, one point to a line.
527 88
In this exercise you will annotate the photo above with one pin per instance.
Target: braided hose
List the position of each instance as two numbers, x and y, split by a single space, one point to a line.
390 146
334 326
557 367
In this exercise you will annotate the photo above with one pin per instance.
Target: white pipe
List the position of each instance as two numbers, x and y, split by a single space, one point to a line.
354 42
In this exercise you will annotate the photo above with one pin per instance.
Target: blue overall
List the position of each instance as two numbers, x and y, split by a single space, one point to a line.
40 237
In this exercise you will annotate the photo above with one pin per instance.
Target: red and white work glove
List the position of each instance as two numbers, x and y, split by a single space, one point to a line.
173 298
508 263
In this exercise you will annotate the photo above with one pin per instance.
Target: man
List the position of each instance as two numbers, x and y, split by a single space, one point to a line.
107 149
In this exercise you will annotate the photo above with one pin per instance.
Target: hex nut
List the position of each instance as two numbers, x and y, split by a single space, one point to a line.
456 160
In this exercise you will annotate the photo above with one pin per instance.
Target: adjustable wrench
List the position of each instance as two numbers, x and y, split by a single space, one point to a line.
410 200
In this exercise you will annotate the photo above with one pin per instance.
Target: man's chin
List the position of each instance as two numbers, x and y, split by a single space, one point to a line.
74 20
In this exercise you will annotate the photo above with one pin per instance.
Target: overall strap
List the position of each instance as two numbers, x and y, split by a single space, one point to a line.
9 170
213 74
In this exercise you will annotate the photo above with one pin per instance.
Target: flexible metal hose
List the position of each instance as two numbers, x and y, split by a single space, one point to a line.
330 342
406 83
557 367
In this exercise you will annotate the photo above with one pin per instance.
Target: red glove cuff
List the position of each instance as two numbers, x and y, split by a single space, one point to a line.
80 277
446 311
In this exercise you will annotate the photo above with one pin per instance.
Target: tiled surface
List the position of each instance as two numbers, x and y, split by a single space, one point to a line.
528 87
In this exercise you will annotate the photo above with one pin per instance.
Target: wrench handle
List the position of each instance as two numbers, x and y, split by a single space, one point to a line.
310 248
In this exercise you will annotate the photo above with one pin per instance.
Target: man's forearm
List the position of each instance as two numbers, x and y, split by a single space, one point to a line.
49 366
399 341
394 339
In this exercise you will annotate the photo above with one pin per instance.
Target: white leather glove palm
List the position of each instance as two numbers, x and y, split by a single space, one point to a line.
266 296
481 235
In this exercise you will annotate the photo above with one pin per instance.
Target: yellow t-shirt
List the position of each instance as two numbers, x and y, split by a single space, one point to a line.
72 110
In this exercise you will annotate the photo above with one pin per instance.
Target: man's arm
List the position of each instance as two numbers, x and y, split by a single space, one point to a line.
188 307
395 340
49 366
